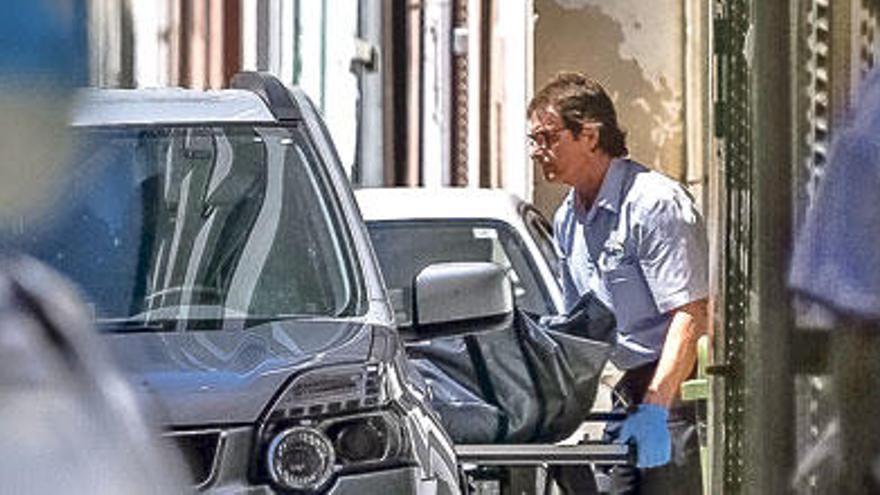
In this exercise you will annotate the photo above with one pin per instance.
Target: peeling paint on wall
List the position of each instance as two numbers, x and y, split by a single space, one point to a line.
646 33
635 49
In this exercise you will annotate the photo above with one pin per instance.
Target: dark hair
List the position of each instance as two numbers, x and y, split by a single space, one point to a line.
580 99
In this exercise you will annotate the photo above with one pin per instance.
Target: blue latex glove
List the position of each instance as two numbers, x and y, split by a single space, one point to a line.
646 428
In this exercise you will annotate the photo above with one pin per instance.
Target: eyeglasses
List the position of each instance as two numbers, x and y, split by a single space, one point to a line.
545 139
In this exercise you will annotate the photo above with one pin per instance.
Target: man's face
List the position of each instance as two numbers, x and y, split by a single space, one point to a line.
561 155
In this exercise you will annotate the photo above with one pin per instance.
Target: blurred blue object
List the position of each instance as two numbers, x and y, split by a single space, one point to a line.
44 40
646 427
836 261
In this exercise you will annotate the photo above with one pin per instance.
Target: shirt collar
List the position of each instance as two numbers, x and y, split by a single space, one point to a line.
608 197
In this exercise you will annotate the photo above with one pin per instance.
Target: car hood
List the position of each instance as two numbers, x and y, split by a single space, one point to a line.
229 376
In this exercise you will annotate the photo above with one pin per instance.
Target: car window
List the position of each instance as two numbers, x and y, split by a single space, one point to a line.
405 248
542 232
198 223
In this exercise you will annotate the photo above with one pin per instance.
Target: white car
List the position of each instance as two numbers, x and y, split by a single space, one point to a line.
412 228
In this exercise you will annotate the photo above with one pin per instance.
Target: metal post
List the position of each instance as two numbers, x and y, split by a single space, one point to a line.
485 83
769 414
183 48
197 44
394 80
215 44
414 94
369 67
264 24
461 58
126 40
231 39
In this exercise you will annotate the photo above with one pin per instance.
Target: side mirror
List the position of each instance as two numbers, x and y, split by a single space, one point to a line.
452 298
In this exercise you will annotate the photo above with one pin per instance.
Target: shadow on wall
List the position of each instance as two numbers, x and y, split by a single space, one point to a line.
620 49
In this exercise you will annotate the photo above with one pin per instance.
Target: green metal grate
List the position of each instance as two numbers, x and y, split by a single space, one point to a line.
812 397
733 115
868 35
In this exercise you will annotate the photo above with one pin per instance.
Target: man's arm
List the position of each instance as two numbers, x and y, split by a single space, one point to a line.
646 426
679 352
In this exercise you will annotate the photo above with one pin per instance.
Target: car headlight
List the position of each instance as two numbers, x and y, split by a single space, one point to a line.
333 390
363 440
301 458
332 421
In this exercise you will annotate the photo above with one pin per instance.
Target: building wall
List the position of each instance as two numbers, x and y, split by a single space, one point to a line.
636 50
511 86
202 43
309 43
339 93
437 88
111 39
152 26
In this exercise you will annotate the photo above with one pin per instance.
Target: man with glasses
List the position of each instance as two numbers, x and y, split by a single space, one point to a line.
634 239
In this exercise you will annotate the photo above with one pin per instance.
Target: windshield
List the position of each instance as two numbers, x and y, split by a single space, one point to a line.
404 248
198 224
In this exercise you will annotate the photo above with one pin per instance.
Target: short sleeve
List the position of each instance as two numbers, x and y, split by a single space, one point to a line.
672 250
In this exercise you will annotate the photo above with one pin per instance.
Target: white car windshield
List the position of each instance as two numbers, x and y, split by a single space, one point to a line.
404 248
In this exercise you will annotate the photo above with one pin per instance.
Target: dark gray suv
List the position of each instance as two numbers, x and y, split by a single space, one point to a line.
216 238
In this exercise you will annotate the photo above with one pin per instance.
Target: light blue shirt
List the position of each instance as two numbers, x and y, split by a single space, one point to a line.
641 249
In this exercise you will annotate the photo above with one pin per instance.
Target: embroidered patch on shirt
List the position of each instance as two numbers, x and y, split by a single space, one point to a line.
611 255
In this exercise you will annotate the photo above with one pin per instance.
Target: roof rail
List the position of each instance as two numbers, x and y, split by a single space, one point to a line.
271 90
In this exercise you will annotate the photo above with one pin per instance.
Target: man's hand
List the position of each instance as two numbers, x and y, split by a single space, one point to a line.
646 427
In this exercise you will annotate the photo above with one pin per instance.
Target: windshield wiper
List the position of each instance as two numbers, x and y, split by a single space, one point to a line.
137 326
190 324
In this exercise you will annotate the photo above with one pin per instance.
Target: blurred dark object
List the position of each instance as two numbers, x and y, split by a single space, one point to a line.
531 381
69 422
